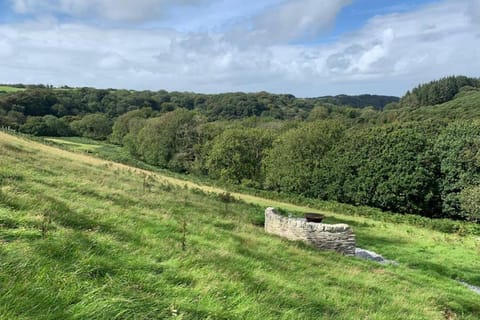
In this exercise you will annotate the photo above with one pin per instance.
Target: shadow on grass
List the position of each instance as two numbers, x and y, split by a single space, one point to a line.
61 213
76 250
469 275
116 198
15 148
8 223
289 297
27 235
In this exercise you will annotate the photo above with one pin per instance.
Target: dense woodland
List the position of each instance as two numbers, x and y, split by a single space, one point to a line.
419 154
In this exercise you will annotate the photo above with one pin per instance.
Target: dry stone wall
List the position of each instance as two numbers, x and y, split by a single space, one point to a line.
338 237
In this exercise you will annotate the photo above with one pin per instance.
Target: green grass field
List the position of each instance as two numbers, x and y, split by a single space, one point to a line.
84 238
10 89
99 149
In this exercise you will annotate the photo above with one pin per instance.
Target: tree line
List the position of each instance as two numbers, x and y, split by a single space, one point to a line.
439 91
430 168
72 104
372 156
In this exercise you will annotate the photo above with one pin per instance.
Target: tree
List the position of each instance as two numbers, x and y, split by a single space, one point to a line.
12 119
390 167
95 126
237 154
121 126
168 141
469 199
295 158
438 91
458 148
35 126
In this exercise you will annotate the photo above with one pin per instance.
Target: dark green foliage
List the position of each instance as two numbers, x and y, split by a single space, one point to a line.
226 197
94 126
438 224
293 162
391 167
12 119
237 154
363 150
361 101
127 123
469 199
438 91
465 106
35 126
34 102
47 126
41 100
458 148
168 141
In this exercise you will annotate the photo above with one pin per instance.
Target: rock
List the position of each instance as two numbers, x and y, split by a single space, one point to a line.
368 255
373 256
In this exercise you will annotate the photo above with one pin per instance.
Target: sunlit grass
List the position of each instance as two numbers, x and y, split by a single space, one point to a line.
10 89
84 238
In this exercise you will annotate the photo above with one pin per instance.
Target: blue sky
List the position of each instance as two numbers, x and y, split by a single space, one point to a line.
357 14
303 47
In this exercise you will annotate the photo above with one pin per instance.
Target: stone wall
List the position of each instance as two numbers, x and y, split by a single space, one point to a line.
338 237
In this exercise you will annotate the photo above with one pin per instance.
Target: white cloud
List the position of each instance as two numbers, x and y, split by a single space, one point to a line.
114 10
390 54
429 40
6 49
475 11
290 20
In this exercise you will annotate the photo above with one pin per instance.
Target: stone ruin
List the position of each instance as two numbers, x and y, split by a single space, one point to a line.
338 237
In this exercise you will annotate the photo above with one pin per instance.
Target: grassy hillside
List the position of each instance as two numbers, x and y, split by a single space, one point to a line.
466 106
10 89
83 238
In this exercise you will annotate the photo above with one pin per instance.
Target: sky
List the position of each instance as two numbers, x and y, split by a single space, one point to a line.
303 47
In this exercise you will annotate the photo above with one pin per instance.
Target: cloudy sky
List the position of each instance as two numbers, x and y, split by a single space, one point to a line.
303 47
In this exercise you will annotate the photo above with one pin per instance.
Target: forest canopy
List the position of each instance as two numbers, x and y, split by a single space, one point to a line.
419 154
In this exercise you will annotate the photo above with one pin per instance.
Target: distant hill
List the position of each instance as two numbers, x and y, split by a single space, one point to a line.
17 102
360 101
439 91
464 106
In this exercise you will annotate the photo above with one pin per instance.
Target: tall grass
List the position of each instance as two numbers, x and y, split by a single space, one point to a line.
82 238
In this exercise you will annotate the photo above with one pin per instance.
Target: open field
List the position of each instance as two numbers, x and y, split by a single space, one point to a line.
85 238
10 89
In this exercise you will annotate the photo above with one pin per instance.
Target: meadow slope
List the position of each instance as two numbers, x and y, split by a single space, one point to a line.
84 238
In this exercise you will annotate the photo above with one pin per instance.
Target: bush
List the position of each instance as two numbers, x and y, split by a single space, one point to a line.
470 203
94 126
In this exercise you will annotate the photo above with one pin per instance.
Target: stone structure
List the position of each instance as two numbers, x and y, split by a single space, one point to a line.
338 237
